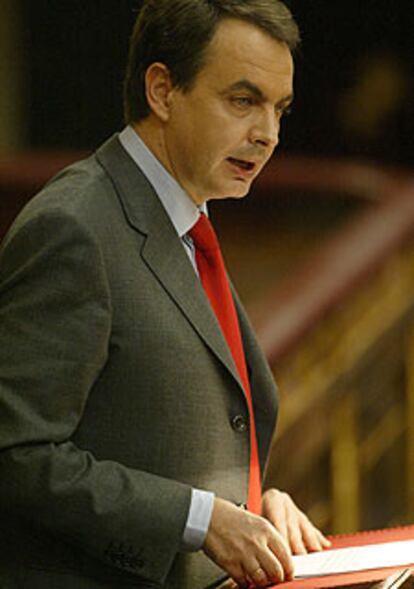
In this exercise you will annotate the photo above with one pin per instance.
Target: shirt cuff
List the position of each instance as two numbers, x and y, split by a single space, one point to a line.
199 515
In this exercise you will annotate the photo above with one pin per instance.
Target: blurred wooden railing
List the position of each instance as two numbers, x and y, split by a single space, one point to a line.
22 175
336 323
338 332
339 266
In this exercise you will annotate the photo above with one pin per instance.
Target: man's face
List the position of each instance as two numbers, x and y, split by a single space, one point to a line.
220 134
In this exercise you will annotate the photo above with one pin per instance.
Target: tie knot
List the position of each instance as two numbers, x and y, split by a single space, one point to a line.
203 235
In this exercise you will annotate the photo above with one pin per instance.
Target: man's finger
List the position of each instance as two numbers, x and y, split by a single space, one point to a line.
229 584
281 550
312 537
296 542
326 543
272 567
259 577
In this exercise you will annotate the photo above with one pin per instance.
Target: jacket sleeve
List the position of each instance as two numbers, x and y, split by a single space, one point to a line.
55 324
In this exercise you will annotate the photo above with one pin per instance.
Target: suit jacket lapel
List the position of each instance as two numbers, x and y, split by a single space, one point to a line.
162 250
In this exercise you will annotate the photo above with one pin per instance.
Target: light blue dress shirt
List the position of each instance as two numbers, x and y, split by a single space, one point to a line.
183 213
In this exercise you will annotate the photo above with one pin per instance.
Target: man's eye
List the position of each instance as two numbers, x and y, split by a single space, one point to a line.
284 112
242 101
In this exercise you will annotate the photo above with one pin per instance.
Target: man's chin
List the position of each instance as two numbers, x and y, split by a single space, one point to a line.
242 190
237 189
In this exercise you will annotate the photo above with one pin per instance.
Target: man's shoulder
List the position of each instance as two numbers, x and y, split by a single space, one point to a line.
82 191
74 188
98 195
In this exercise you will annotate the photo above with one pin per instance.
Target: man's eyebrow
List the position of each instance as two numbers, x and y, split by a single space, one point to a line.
251 87
246 85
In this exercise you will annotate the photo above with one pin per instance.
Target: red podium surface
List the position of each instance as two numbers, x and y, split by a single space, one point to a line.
360 577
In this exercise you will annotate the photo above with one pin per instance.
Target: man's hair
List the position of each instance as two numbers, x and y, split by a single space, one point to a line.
177 33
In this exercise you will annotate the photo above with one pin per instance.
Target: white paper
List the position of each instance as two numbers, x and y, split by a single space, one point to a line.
358 558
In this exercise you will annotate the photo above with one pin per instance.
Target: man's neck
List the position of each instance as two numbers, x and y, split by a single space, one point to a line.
151 132
152 135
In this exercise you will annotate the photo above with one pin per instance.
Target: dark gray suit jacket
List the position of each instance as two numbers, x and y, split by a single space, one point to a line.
117 390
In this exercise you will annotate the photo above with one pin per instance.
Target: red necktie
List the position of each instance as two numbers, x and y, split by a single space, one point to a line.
210 265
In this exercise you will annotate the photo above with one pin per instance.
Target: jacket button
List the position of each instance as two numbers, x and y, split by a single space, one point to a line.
239 423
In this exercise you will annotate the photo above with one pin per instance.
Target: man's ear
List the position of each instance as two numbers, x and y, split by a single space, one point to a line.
158 88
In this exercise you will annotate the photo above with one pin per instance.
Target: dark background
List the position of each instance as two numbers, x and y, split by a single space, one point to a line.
75 53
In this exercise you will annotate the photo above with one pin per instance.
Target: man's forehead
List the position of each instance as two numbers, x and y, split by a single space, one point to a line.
246 48
239 36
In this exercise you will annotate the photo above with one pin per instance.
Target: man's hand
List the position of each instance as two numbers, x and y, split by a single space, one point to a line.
248 547
299 533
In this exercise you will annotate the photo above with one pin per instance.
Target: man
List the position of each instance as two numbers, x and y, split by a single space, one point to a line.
127 419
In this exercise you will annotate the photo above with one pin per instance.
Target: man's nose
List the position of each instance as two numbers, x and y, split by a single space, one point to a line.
265 131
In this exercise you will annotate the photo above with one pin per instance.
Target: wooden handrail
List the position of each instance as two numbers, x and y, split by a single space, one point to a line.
290 310
27 172
329 178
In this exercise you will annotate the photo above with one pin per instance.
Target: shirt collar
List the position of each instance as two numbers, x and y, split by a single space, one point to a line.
181 209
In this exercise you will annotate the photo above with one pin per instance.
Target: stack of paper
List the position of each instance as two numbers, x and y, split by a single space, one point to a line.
356 558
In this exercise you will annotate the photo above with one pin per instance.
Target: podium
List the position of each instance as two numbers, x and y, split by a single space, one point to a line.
382 578
360 579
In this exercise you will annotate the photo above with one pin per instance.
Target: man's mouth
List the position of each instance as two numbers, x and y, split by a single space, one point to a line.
245 165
